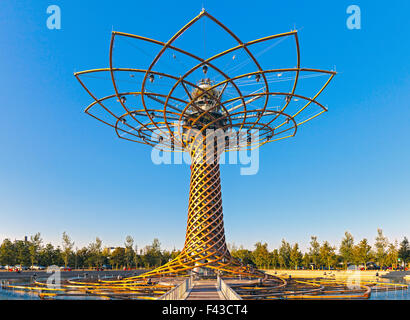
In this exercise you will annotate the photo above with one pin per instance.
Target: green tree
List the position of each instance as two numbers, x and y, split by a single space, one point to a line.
118 257
95 257
295 256
314 251
306 260
67 248
174 253
83 257
129 251
7 253
244 255
381 245
275 259
404 251
22 252
284 254
260 256
327 255
346 249
392 255
34 247
362 253
166 256
152 256
59 256
48 256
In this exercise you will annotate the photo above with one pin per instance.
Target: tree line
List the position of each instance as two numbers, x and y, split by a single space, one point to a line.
318 256
32 252
323 255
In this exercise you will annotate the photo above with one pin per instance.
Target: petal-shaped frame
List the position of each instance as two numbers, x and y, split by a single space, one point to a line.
240 117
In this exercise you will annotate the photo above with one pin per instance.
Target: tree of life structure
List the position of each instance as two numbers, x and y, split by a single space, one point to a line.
205 118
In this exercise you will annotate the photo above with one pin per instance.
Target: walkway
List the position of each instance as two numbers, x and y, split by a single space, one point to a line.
204 290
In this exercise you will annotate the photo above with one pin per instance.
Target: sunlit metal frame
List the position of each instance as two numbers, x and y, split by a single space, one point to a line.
205 239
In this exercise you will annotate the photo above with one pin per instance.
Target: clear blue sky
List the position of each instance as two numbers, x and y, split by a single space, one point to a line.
60 170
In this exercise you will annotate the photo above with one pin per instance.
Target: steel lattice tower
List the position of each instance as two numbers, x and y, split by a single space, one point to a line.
170 122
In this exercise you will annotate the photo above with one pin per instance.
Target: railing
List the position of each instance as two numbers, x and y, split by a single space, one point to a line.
178 292
227 291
